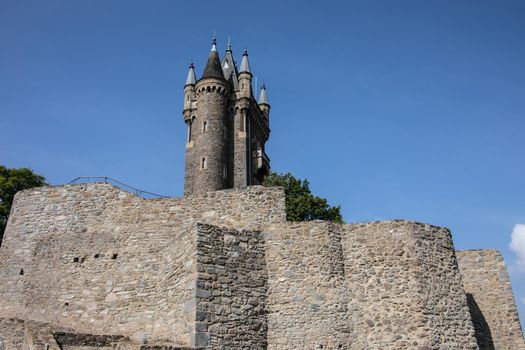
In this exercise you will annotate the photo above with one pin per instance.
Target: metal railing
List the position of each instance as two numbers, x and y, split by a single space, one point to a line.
116 183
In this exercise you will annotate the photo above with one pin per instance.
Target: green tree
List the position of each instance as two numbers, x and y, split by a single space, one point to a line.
12 181
301 204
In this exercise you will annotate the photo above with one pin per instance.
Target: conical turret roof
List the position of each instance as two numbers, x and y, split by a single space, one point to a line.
245 65
213 66
190 80
263 99
229 68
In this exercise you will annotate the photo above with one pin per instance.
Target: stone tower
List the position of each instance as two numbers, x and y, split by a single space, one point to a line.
227 126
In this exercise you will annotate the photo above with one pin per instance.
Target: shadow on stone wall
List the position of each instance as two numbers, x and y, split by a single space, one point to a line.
481 327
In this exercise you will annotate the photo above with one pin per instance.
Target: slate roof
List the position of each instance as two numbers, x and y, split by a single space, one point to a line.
213 66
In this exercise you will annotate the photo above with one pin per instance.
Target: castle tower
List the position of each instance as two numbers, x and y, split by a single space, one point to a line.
227 127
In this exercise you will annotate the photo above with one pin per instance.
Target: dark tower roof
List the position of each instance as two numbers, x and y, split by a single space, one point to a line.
229 68
213 67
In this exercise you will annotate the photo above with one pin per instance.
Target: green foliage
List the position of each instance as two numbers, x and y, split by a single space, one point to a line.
12 181
301 204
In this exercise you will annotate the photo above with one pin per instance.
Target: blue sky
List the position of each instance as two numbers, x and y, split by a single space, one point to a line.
392 109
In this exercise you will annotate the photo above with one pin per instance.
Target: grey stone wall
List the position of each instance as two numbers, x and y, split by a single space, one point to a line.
308 292
384 285
95 258
105 262
12 334
490 299
231 289
405 288
18 334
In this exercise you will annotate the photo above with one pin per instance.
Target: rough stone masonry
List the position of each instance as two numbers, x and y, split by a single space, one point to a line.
92 266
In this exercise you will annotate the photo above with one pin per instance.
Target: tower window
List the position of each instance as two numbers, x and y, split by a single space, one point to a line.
224 172
204 163
205 126
243 122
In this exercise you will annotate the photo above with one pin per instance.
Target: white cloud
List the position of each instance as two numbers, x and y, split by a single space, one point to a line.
517 245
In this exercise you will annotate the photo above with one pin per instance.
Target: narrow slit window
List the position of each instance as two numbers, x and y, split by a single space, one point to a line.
205 126
204 163
189 131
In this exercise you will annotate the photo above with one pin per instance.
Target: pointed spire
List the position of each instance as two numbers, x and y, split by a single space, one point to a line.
228 66
245 66
213 66
214 44
190 80
263 99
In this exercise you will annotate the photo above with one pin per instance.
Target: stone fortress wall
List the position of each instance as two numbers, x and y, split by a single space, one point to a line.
406 288
308 293
100 260
226 271
490 299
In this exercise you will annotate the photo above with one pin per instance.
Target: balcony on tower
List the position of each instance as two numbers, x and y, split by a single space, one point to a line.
262 162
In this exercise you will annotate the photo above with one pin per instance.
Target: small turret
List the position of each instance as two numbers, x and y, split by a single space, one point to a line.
189 87
245 65
245 77
263 101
